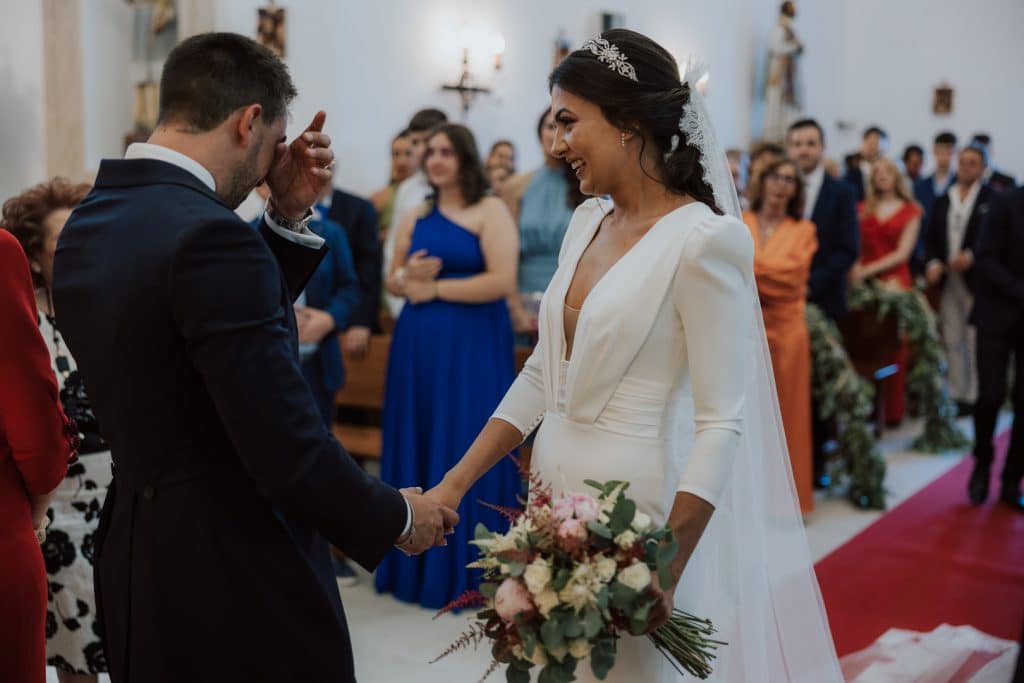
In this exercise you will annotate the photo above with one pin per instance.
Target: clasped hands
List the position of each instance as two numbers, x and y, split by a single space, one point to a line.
420 279
432 520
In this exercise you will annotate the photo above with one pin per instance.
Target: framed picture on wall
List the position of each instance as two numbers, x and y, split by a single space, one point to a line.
270 29
942 102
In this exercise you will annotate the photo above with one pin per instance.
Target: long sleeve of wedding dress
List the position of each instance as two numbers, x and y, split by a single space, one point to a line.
708 292
523 405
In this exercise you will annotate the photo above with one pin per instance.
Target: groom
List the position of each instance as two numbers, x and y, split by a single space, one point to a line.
212 562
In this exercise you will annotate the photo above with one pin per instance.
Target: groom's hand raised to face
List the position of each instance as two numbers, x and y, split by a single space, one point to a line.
431 521
301 172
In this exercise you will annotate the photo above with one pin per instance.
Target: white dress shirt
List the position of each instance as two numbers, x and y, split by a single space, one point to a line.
412 192
146 150
812 189
958 216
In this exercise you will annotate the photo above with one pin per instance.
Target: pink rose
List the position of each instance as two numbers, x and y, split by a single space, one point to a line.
511 599
563 508
586 508
578 505
572 528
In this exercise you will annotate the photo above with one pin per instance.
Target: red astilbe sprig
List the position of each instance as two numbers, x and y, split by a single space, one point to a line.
471 598
473 635
510 514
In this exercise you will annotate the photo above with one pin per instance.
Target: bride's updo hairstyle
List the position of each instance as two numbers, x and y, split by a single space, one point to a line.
649 106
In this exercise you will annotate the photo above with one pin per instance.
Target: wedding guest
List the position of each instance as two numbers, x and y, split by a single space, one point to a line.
784 245
829 205
951 241
738 168
497 176
34 454
858 167
890 221
358 219
412 192
931 187
503 153
999 317
542 202
761 156
36 218
451 355
994 178
928 189
913 161
402 159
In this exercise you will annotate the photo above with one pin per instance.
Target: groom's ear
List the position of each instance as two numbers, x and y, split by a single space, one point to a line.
245 127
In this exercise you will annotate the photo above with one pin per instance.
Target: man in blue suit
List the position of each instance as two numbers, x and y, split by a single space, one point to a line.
211 558
831 207
829 204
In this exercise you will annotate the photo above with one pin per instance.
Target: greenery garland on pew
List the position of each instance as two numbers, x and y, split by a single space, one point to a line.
926 377
847 397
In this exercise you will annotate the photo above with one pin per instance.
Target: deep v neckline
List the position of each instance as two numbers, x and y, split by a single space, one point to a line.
564 356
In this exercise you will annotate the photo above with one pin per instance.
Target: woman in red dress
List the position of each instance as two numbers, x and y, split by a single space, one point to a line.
890 220
35 448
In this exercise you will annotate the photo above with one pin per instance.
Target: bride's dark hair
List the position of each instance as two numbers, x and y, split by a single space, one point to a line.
651 106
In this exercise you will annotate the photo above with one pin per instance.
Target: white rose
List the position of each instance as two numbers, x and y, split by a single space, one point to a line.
626 540
540 657
576 595
546 601
641 522
579 648
537 576
636 576
606 569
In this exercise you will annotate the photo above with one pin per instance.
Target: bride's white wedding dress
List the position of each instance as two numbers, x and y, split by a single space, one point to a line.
663 389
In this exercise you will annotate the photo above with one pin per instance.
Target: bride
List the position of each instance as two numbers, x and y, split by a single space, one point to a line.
652 368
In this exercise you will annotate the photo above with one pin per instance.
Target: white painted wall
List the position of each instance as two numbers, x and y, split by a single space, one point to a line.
371 65
891 55
109 73
22 144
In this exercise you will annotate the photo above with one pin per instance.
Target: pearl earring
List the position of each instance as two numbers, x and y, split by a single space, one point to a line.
622 139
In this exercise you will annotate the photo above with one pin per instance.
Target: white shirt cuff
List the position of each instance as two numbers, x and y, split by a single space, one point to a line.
408 517
306 238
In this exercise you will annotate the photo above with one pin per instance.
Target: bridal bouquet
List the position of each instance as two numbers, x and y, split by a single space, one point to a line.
568 579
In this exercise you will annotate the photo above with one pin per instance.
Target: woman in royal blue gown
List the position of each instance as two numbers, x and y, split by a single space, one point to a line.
451 356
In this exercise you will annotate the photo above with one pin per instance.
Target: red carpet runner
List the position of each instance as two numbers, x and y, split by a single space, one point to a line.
933 559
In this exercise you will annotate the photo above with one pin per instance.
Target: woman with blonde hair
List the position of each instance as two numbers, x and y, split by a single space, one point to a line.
890 220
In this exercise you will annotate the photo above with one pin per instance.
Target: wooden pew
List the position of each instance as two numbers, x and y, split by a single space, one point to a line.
364 389
871 344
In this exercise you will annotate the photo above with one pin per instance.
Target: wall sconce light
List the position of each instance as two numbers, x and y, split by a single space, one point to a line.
475 43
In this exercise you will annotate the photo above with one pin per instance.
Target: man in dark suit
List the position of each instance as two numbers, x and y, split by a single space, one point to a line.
950 245
210 560
359 219
831 207
998 316
829 204
858 166
994 178
930 188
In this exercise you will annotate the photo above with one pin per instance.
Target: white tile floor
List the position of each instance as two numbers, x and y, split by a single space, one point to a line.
394 641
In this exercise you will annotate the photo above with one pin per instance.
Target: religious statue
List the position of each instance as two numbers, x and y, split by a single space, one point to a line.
783 99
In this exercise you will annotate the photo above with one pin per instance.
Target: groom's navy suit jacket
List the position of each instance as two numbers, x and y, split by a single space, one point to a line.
211 564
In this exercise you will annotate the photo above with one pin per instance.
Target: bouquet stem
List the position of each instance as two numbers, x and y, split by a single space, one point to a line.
687 643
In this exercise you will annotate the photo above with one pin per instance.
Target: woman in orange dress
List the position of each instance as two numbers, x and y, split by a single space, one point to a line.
890 220
784 244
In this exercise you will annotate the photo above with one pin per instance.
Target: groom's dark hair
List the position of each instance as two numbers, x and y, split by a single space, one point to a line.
211 75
